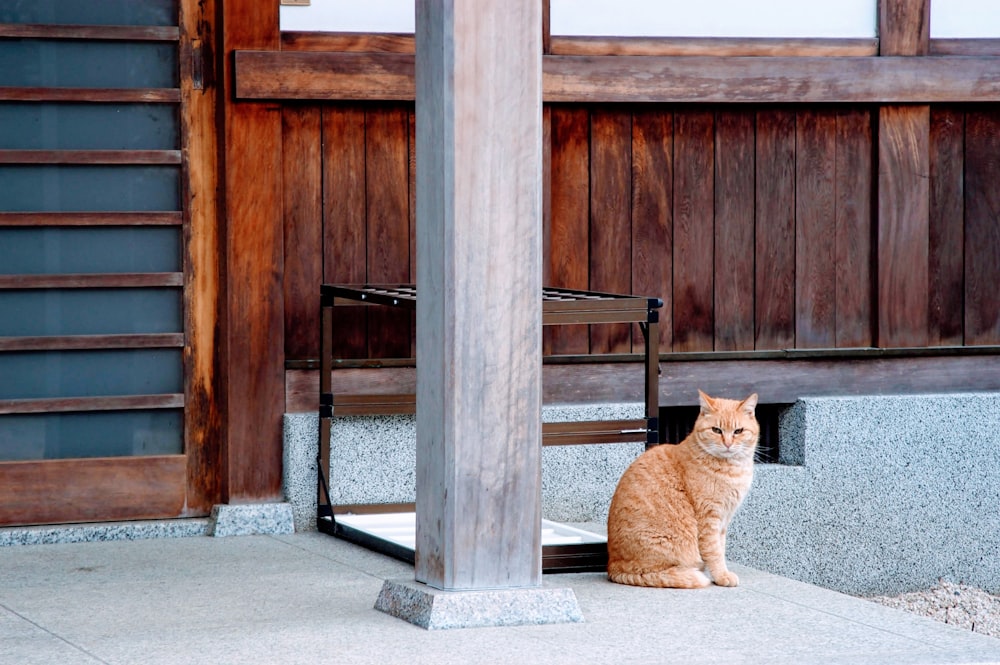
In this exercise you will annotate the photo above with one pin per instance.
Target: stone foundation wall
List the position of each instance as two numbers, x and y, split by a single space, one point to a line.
874 494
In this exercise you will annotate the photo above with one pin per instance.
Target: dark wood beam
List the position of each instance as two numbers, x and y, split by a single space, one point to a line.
662 79
779 377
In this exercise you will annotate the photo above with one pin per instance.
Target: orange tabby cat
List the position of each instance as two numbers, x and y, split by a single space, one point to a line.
669 514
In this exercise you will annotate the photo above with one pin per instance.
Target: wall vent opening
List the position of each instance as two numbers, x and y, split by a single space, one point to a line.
676 422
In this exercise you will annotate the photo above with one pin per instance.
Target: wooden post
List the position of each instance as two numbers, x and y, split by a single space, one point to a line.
903 188
479 241
252 315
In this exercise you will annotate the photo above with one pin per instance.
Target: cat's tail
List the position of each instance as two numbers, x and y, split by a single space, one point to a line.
676 577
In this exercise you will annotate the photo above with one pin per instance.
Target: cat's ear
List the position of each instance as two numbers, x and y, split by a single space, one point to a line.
749 404
706 402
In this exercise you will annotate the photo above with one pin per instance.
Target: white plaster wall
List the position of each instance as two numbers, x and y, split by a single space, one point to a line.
707 18
350 16
674 18
714 18
969 19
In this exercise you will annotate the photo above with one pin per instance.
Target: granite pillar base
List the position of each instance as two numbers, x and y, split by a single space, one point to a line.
435 609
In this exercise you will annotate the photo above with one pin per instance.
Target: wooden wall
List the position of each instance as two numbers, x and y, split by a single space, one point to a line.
757 225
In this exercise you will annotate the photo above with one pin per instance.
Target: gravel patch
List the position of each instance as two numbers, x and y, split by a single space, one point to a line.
955 604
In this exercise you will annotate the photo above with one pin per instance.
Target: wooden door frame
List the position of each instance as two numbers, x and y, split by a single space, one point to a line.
162 486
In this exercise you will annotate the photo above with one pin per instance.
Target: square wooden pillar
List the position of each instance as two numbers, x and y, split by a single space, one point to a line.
479 243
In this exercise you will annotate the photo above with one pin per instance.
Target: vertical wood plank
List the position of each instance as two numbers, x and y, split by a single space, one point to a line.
387 199
610 219
904 27
903 188
694 200
301 159
815 241
204 368
734 231
546 200
903 213
479 239
774 293
982 230
946 244
344 221
412 227
652 215
254 309
569 261
854 229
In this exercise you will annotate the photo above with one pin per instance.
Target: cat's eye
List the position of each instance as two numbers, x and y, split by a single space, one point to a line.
738 430
717 430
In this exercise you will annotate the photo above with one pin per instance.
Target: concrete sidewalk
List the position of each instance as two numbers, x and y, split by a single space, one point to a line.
308 598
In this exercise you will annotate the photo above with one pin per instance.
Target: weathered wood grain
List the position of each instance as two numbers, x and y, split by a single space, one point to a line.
734 231
779 380
712 46
344 247
92 218
204 369
903 218
388 220
982 230
653 216
364 42
774 284
904 27
815 244
694 201
853 230
301 158
610 219
63 491
479 217
946 242
90 157
569 260
642 79
123 95
253 350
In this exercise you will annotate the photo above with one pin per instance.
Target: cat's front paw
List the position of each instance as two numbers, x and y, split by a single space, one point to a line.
726 578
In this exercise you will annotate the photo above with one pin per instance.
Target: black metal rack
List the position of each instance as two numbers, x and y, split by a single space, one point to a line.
559 307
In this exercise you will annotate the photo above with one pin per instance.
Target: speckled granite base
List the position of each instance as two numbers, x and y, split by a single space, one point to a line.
373 460
87 533
251 519
434 609
894 493
299 476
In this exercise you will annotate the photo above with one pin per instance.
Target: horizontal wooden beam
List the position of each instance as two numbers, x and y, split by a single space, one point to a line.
90 156
42 219
640 79
132 33
82 342
114 403
60 491
712 46
95 281
778 381
96 95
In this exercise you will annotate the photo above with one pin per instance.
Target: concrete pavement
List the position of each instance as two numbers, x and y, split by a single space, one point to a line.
308 598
